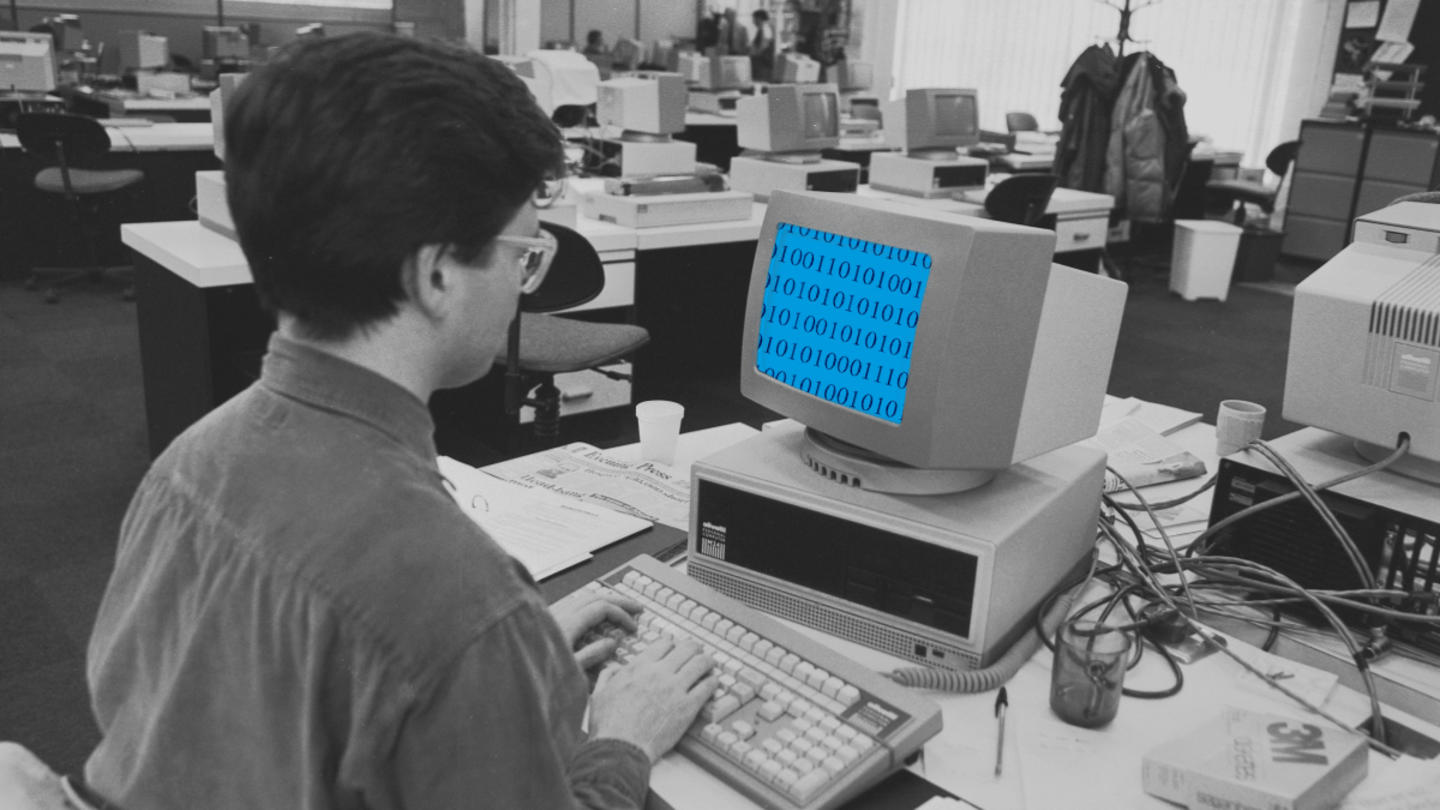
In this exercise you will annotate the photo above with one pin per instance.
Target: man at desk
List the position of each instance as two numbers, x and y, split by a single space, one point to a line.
300 616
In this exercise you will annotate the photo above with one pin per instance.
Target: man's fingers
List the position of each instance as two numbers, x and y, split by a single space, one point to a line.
595 652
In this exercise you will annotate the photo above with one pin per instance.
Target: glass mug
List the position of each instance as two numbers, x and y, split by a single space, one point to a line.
1088 673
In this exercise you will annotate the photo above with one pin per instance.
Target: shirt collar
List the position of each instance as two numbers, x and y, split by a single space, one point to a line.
325 381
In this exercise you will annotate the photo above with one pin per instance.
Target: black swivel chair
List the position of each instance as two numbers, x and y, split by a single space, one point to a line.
70 143
1021 122
1021 199
542 345
1237 193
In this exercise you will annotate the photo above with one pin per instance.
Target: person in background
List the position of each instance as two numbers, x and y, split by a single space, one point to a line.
595 44
734 39
300 615
762 46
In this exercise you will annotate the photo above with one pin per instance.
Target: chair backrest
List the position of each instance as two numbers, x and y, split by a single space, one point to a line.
1021 122
1021 198
45 135
1280 158
576 274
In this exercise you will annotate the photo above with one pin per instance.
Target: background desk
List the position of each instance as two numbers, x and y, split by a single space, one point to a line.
1082 219
113 104
202 332
168 153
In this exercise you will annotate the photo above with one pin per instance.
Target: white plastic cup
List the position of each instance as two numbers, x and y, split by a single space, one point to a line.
659 429
1237 424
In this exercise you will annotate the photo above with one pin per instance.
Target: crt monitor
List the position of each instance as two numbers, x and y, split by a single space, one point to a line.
729 73
933 118
789 118
651 103
27 62
224 42
791 67
141 50
573 79
923 350
1364 359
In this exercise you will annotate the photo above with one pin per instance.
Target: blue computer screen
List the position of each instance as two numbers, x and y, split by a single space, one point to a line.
838 318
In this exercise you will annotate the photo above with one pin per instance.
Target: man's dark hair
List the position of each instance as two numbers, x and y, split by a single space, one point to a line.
345 155
761 15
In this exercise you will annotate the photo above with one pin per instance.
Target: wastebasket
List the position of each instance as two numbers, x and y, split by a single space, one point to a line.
1259 250
1203 257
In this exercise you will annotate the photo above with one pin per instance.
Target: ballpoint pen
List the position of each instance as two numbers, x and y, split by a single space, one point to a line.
1002 702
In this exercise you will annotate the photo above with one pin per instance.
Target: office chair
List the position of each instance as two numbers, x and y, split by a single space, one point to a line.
69 142
1021 198
542 345
1237 193
1021 122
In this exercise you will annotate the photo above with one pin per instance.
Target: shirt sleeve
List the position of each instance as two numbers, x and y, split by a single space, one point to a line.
501 730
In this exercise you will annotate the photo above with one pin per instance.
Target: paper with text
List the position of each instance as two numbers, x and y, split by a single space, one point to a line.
546 532
653 492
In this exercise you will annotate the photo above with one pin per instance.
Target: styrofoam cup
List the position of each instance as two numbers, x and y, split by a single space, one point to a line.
659 421
1237 424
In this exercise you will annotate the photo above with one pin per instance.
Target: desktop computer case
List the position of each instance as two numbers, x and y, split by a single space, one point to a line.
1394 520
948 581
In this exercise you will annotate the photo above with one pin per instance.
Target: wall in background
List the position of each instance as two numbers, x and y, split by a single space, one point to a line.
180 21
658 19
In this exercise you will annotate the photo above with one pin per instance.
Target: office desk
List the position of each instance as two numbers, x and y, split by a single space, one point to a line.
1047 764
714 137
202 333
858 149
123 103
1082 219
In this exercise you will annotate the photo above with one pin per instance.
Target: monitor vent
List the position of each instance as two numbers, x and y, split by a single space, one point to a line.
1410 309
875 635
824 470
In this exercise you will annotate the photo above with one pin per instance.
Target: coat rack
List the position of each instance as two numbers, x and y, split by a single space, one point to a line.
1126 12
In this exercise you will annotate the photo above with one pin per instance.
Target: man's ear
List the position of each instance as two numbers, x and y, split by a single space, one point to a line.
427 277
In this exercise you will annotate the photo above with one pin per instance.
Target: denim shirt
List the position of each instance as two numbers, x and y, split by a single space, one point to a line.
301 617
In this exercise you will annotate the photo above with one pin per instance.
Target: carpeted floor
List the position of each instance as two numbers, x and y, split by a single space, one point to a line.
72 449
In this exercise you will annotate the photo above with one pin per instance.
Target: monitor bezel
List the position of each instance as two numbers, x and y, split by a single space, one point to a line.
988 277
921 118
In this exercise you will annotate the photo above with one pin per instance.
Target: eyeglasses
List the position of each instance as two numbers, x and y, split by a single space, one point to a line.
535 259
550 190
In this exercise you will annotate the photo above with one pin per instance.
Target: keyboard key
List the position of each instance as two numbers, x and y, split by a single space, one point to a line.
786 736
834 765
817 678
748 641
744 692
739 750
786 757
847 754
755 759
770 710
770 770
720 708
769 690
744 730
774 655
799 707
789 662
762 647
727 739
787 779
710 731
829 723
845 733
832 686
809 784
772 746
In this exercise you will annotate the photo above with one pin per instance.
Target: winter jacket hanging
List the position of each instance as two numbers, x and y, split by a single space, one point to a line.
1085 103
1149 145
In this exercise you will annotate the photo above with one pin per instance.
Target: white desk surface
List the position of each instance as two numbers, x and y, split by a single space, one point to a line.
191 251
1047 764
161 137
1063 201
136 104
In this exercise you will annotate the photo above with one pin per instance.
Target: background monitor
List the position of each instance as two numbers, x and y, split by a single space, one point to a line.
791 68
27 62
924 337
66 31
933 118
224 42
695 67
573 79
652 103
141 50
729 73
789 118
539 87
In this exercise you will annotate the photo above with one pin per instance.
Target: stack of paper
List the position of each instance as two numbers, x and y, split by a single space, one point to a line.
546 532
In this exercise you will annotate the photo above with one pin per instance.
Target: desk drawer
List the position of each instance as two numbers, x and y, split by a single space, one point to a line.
1087 233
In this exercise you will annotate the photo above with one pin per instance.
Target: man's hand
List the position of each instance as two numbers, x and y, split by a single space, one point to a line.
651 700
578 617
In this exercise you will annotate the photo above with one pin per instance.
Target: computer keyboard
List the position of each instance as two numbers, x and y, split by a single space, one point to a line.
794 724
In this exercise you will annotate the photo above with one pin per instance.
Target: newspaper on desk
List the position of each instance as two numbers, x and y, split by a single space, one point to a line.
646 490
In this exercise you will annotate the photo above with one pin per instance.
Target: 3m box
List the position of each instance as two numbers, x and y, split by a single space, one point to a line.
1247 760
